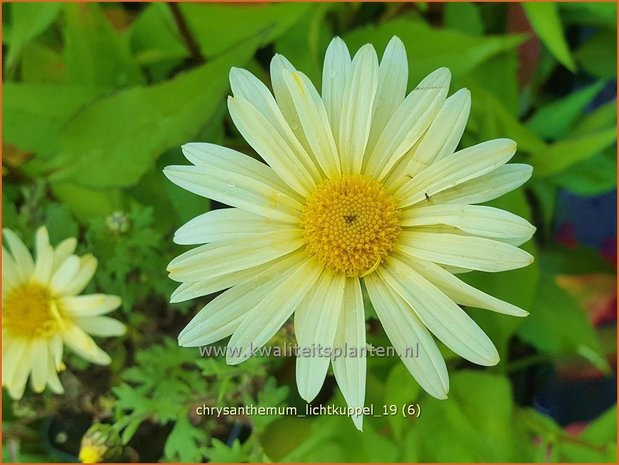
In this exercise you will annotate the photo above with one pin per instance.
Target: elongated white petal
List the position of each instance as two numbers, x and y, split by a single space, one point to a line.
314 121
44 257
89 305
240 191
444 133
12 355
87 268
336 74
101 326
17 383
462 166
63 251
263 321
476 253
406 332
316 322
40 364
357 109
10 277
279 64
64 275
439 313
350 372
488 187
83 345
285 155
225 223
24 264
408 123
223 257
459 291
474 219
392 81
223 315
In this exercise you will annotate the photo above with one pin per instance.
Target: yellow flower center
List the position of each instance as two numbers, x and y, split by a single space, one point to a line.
350 224
28 312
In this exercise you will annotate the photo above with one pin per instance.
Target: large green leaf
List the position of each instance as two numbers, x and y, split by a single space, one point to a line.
554 120
464 17
218 27
591 177
598 55
600 14
28 21
429 49
561 155
95 53
544 18
115 141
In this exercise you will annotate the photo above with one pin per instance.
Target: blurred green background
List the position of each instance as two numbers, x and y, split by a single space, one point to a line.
97 98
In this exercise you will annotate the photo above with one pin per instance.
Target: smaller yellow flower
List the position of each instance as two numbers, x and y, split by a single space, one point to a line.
41 311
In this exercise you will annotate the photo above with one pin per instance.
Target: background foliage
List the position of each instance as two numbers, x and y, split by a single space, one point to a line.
97 98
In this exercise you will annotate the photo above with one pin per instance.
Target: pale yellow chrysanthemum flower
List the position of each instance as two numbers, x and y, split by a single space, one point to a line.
41 311
361 184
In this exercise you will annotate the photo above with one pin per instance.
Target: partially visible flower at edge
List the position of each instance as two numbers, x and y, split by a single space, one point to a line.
362 183
42 312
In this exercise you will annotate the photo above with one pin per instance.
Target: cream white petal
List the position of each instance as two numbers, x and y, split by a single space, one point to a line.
314 121
101 326
336 74
44 256
357 109
23 260
240 191
406 332
83 345
53 381
285 155
474 219
408 123
459 291
316 322
488 187
279 64
225 223
444 133
350 372
65 274
223 315
63 251
440 314
218 258
265 319
17 383
10 277
392 82
87 268
462 166
88 305
40 364
12 353
476 253
56 349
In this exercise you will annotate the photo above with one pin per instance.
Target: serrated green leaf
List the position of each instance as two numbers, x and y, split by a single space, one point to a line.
544 18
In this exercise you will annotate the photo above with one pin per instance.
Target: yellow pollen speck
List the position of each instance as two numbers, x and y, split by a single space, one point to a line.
350 224
27 312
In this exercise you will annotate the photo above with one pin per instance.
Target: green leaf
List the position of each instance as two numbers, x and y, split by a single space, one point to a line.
42 65
29 20
561 155
598 55
603 429
429 49
464 17
95 53
603 117
183 443
400 389
592 177
554 120
557 325
131 128
545 21
601 14
35 114
87 203
218 27
219 452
